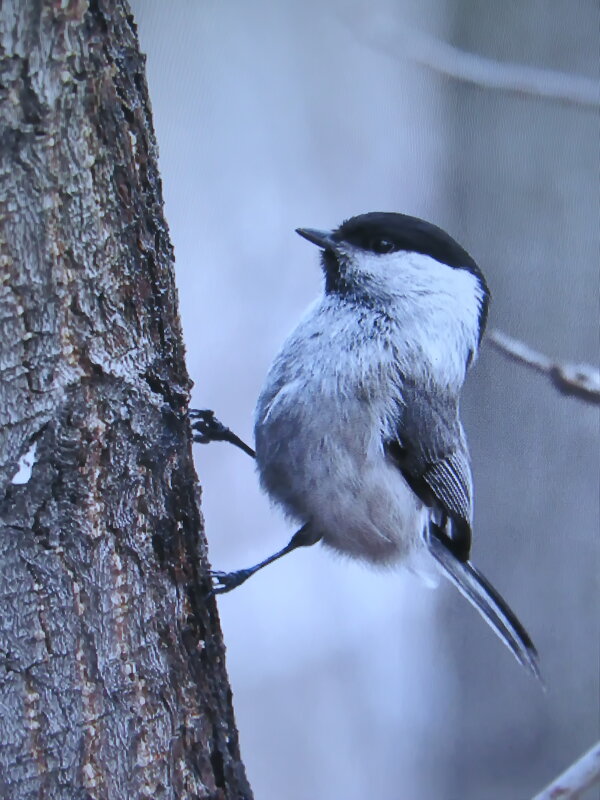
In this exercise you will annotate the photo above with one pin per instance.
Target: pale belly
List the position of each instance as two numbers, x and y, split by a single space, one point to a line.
322 460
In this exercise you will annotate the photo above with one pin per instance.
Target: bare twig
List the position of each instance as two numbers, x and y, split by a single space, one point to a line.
518 79
575 780
576 380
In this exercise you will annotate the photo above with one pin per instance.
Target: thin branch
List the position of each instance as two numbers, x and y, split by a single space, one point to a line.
518 79
575 380
575 780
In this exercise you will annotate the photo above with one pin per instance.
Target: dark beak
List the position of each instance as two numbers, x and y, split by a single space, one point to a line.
320 238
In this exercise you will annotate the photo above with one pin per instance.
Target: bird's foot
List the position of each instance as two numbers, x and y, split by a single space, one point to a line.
207 427
223 582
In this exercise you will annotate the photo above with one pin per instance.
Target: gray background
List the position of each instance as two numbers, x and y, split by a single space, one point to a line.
352 684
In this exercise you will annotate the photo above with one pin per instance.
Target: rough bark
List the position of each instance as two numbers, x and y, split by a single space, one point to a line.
112 678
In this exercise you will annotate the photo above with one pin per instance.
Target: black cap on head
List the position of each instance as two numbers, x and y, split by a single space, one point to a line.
383 232
387 232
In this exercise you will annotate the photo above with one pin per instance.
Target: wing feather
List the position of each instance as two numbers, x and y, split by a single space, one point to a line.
431 452
429 448
450 481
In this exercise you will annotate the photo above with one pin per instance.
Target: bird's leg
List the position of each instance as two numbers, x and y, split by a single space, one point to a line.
226 581
207 428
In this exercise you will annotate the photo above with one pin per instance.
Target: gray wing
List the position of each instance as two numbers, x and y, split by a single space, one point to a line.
449 478
431 452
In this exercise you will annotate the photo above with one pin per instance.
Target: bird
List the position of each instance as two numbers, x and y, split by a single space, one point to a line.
357 428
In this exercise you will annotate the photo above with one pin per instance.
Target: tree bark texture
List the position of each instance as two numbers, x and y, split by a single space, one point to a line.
112 677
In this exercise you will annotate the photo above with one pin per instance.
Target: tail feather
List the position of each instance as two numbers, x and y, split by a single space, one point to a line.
492 607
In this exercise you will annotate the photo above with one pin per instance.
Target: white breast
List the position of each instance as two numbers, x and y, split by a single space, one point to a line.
319 437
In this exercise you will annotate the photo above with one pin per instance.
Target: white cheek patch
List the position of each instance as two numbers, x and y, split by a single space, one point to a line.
402 277
415 273
436 309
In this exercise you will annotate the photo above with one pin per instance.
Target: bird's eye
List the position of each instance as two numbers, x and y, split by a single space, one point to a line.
382 246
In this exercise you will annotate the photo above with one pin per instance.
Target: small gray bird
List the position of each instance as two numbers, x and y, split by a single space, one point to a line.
357 428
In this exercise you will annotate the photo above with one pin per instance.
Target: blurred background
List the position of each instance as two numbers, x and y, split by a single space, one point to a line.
348 683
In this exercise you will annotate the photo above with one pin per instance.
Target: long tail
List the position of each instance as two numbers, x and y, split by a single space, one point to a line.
492 607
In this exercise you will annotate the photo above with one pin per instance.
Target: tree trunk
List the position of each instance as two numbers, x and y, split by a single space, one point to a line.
112 677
